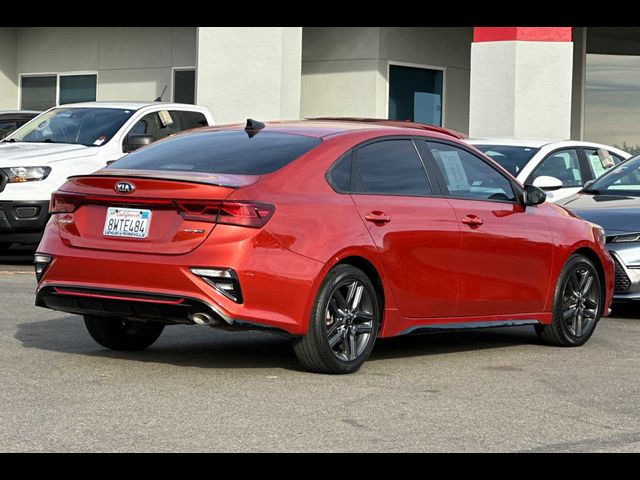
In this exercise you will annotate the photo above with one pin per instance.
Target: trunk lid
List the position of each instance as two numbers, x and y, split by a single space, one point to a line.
160 203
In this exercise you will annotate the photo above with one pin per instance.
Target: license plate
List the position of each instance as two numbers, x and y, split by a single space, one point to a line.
127 223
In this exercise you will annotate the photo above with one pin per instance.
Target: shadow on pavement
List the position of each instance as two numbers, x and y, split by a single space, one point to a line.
626 310
192 346
18 255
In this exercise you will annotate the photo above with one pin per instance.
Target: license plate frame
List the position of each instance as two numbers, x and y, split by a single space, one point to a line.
127 223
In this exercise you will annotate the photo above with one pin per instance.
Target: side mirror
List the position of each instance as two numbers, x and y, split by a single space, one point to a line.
134 142
588 185
548 183
533 196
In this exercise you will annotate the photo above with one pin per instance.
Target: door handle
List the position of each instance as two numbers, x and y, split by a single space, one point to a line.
472 220
377 217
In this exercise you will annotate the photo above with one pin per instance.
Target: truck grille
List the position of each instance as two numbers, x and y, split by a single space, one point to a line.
622 282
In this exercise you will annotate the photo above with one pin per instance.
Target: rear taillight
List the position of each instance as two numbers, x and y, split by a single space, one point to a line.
64 202
243 214
239 213
41 262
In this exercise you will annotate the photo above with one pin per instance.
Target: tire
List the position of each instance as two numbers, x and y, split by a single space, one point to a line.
351 331
123 335
4 247
574 332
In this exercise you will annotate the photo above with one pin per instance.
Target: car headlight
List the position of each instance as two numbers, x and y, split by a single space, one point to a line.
26 174
599 233
634 237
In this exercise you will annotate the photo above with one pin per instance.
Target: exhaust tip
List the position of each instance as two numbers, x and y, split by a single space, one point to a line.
203 319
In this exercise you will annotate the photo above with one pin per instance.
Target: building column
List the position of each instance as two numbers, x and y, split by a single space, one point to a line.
521 82
249 72
8 68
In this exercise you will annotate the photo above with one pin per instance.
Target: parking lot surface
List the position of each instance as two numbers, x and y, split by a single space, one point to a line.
199 389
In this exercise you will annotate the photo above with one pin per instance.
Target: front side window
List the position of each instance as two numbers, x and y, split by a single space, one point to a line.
622 180
80 126
390 167
563 165
467 176
6 127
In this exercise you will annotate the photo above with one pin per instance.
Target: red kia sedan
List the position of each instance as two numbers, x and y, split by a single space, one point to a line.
332 232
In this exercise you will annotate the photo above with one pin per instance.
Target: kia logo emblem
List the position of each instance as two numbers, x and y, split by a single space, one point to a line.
124 187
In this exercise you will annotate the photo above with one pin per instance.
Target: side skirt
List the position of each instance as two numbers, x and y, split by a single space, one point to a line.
455 327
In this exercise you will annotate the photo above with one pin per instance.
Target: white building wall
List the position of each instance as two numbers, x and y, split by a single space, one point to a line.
340 72
8 68
249 72
131 63
345 69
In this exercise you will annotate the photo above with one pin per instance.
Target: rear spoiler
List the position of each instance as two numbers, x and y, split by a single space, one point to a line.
217 180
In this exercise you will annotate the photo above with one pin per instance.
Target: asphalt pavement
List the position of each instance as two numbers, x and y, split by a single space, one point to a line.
198 389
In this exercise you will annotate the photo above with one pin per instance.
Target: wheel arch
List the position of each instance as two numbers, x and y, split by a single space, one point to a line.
370 270
595 259
368 262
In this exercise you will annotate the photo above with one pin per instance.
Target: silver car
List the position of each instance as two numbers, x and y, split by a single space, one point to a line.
613 202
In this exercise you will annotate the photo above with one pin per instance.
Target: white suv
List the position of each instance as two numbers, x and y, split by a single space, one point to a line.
75 139
560 168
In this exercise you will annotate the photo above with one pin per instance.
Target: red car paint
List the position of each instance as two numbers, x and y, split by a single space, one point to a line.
440 261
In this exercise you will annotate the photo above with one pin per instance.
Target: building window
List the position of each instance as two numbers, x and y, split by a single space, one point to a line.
46 91
77 88
184 86
38 93
415 94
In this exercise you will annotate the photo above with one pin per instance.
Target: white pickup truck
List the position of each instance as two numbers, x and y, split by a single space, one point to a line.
75 139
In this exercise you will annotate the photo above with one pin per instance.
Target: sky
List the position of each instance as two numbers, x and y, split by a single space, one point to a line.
612 99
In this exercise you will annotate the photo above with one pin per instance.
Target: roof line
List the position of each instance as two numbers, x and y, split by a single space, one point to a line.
394 123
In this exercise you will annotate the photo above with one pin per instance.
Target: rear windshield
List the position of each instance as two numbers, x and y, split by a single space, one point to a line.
224 152
512 159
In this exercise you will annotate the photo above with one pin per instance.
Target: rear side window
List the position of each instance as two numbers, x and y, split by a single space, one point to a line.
390 167
340 174
600 160
152 124
189 120
225 152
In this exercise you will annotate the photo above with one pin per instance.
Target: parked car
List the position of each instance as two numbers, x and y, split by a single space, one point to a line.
334 233
76 139
613 201
559 168
10 120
